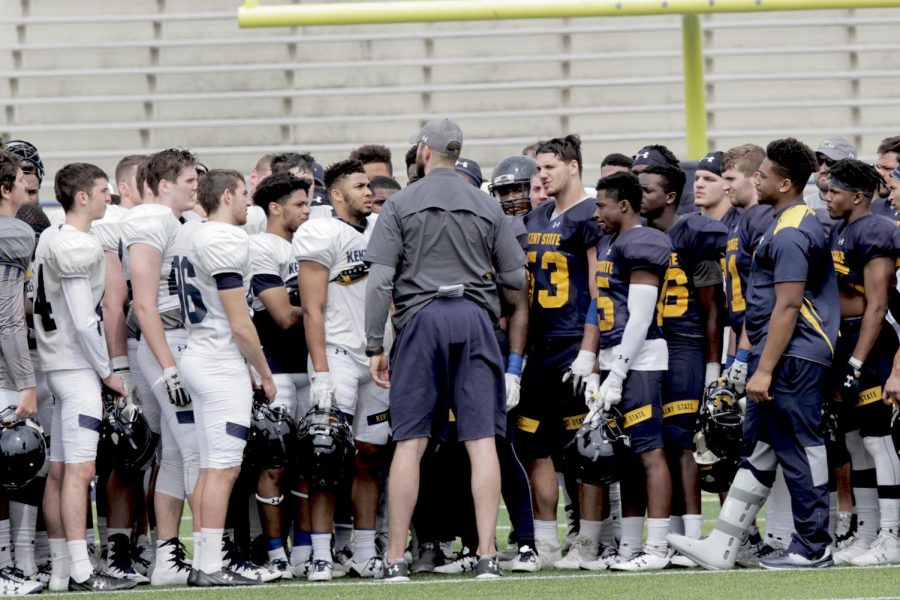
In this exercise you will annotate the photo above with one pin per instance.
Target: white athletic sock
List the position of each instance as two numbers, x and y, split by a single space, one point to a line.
656 536
321 546
343 533
609 527
198 541
90 536
211 550
866 512
41 545
59 558
364 545
104 532
23 518
547 531
79 561
591 529
277 553
832 512
779 515
632 532
676 525
5 544
693 526
890 513
300 555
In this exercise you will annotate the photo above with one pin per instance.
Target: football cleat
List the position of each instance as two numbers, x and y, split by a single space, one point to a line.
223 578
487 567
430 556
118 562
371 569
642 561
233 560
680 560
855 546
526 561
548 551
782 559
301 570
100 583
885 550
171 566
463 564
397 572
343 558
14 583
607 557
321 570
281 567
583 549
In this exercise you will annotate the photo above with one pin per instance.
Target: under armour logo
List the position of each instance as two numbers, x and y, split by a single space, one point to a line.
709 159
394 569
557 225
462 163
841 241
643 155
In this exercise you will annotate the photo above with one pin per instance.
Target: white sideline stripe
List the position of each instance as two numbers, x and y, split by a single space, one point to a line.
451 580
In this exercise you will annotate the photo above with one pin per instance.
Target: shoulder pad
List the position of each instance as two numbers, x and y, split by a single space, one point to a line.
646 246
224 249
75 254
16 242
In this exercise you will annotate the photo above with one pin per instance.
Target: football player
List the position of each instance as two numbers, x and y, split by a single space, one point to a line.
382 189
17 373
214 277
375 159
560 250
32 167
887 160
632 263
156 242
862 247
709 190
332 291
126 180
690 315
70 277
279 323
790 329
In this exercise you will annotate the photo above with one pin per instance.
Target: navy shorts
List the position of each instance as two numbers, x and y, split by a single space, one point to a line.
548 414
869 414
446 358
642 408
682 391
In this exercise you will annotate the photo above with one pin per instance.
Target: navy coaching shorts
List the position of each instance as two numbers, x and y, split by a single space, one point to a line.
447 358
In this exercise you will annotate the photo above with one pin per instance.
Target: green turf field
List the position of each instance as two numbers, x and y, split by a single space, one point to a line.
741 584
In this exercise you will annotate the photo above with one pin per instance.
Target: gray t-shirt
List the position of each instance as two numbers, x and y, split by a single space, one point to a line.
16 242
441 232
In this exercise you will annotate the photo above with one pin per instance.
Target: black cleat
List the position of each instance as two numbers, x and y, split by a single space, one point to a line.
101 583
223 578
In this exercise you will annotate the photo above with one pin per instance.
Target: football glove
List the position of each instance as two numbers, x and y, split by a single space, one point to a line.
581 367
177 394
736 375
850 380
610 392
513 386
321 391
592 390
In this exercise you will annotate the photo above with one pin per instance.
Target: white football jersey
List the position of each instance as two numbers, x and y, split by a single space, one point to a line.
108 229
64 252
156 226
342 249
216 248
256 220
273 255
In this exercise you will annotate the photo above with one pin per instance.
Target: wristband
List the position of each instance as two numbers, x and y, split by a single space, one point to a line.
742 355
855 363
591 317
514 364
118 364
728 360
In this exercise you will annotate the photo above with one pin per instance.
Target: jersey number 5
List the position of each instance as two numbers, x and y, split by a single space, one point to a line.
605 316
192 306
559 279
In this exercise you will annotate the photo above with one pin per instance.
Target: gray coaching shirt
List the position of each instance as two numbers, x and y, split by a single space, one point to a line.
442 231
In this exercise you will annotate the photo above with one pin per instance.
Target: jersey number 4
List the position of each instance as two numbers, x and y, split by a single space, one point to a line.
192 306
42 307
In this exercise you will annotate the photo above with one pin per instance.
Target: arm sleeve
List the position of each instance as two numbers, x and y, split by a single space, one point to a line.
77 292
378 299
641 305
13 331
386 244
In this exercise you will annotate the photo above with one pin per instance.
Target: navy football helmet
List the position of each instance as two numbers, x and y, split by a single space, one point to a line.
594 455
273 438
716 473
721 421
511 183
23 450
126 438
327 450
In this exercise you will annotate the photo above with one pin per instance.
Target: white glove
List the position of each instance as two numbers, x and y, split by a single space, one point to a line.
736 376
712 373
592 390
610 392
578 371
119 366
513 385
177 394
321 391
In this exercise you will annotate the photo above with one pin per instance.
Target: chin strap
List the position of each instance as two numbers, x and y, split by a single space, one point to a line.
273 501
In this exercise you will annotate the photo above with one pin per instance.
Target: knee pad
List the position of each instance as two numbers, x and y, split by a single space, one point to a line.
170 479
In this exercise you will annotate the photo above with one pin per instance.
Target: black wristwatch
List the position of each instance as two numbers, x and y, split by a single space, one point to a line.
376 351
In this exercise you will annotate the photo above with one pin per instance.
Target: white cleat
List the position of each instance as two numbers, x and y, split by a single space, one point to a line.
642 561
321 571
14 583
885 550
607 557
282 567
856 546
548 551
371 569
526 561
680 560
583 549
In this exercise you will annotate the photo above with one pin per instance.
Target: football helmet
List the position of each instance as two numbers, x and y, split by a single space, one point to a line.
273 438
511 183
715 473
23 449
126 438
721 421
28 155
326 450
895 426
594 455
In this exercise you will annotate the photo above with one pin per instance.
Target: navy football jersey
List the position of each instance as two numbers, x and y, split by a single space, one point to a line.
696 239
558 268
618 255
731 218
742 240
855 244
794 249
882 207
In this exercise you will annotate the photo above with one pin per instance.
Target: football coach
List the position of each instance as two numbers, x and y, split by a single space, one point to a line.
438 250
